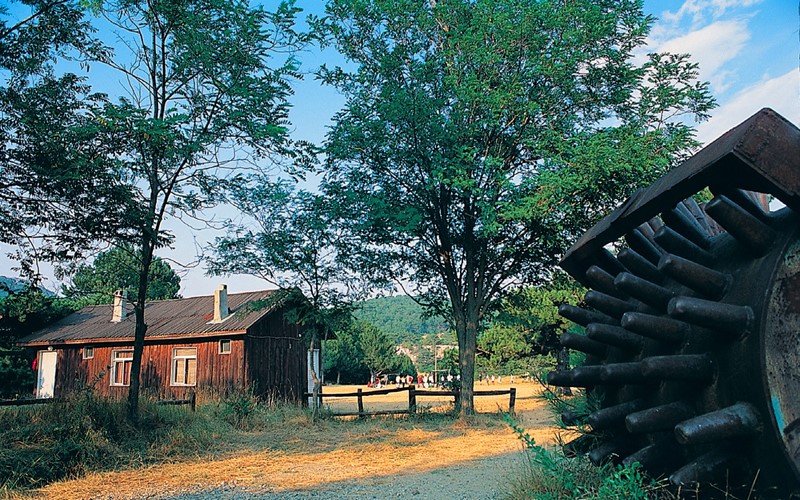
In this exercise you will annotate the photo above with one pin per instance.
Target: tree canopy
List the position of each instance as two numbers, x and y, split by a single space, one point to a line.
118 269
479 135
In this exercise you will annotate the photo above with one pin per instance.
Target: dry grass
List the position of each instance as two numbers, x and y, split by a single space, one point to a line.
299 454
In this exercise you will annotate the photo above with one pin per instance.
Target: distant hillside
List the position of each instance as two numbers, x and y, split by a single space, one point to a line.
15 285
400 317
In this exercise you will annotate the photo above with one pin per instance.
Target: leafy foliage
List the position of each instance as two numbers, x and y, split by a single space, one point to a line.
362 351
23 312
59 188
400 317
552 475
478 138
118 269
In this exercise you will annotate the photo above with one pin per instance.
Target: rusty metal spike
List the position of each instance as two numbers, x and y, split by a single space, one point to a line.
698 367
603 282
686 226
659 418
753 234
580 445
645 291
607 261
640 266
623 373
745 201
655 224
735 321
693 209
572 417
646 231
705 468
656 327
607 304
613 415
615 336
560 378
583 317
702 279
584 344
656 458
736 421
612 450
643 245
581 376
676 243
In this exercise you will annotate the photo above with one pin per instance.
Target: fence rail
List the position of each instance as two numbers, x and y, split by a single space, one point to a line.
191 400
413 394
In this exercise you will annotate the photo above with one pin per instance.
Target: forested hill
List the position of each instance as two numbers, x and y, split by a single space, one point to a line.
400 317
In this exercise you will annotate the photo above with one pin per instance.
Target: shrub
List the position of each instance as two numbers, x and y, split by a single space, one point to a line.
551 475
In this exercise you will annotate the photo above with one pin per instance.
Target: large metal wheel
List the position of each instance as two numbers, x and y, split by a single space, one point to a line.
693 322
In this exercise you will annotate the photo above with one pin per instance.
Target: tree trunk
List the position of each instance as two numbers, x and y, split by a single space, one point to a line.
141 329
467 348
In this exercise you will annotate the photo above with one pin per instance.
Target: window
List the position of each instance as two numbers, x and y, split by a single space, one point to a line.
88 352
225 346
184 366
121 367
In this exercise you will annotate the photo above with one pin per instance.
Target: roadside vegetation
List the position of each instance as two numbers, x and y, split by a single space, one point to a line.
84 435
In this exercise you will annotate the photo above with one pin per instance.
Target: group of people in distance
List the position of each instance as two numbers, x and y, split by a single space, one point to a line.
424 381
487 379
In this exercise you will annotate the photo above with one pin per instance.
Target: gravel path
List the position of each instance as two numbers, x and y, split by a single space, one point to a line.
476 479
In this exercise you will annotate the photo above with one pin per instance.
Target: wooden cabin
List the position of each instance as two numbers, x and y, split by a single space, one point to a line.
220 343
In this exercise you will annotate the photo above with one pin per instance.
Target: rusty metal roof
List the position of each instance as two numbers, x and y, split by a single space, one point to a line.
174 318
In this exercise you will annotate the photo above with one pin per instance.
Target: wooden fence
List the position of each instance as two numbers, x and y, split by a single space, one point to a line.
191 400
413 394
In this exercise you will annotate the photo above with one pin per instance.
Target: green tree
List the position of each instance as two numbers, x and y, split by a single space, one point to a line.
290 241
462 156
206 84
23 312
378 350
344 359
59 190
118 269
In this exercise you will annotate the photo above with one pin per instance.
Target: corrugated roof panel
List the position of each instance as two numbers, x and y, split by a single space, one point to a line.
164 318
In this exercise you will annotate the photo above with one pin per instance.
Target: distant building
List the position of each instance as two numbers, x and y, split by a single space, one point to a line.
220 343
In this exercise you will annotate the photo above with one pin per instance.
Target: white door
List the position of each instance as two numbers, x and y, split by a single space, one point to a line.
313 363
46 383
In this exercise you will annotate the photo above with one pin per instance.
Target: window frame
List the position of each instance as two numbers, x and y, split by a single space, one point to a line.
230 346
87 352
175 363
125 362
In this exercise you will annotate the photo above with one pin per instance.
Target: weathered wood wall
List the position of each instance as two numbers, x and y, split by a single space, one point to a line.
276 358
219 372
270 359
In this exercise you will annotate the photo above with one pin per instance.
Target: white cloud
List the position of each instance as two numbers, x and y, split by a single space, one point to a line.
712 47
781 94
701 9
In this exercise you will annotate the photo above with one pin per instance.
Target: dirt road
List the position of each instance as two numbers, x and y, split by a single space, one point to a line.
406 459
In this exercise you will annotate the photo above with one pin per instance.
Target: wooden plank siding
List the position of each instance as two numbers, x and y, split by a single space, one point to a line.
218 372
276 358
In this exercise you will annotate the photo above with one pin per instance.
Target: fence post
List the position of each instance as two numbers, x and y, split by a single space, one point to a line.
193 400
412 399
360 404
511 400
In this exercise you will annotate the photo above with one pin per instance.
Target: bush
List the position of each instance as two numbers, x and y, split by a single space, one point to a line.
551 475
45 443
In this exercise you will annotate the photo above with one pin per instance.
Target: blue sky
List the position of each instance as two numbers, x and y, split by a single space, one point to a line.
747 49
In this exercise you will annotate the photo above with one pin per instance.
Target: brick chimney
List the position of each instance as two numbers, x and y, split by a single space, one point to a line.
120 306
220 304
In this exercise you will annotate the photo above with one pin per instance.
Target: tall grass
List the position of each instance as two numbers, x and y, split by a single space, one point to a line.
552 475
45 443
